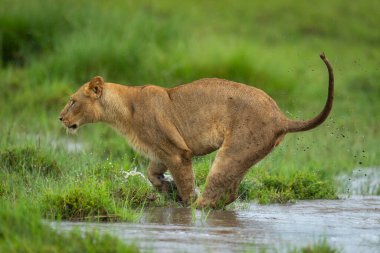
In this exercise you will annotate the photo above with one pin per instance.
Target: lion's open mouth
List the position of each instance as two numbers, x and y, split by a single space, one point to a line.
73 126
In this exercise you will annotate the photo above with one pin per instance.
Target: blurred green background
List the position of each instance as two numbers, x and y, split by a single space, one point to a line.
50 48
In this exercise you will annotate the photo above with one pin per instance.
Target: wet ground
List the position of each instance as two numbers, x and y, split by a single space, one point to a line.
352 225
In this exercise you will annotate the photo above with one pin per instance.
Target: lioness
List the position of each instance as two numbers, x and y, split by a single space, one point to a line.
170 126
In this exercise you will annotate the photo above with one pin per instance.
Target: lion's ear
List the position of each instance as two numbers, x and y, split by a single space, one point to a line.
95 87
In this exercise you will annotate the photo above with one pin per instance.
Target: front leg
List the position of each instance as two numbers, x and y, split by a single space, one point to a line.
156 176
183 176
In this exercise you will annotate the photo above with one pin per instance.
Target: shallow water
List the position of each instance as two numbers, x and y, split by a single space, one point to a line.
352 225
361 181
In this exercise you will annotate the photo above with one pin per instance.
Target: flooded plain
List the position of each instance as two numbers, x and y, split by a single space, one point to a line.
351 225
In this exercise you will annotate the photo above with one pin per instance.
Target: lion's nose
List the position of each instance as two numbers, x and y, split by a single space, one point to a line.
60 118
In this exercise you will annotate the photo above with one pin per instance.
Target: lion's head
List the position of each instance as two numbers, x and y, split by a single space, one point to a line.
84 105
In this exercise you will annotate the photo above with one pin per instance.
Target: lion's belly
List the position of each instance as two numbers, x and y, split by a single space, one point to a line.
204 141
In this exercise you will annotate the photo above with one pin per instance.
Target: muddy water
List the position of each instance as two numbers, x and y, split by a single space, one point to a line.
352 225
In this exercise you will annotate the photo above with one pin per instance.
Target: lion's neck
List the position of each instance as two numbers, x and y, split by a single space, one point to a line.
116 100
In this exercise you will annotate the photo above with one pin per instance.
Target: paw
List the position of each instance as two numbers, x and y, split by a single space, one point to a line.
169 189
192 199
202 203
168 186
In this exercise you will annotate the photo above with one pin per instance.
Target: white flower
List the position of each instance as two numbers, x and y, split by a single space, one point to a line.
132 173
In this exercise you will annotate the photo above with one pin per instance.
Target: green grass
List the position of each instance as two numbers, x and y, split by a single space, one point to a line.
28 160
267 188
80 201
321 246
101 191
22 230
48 49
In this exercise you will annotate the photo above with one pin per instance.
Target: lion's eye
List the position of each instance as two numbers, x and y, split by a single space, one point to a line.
72 103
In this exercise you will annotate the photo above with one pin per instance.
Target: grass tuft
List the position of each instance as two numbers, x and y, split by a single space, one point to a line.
321 246
84 200
268 188
28 160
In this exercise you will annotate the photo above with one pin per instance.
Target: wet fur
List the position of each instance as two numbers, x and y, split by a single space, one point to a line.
170 126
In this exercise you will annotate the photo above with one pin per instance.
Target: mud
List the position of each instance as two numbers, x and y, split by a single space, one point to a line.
352 225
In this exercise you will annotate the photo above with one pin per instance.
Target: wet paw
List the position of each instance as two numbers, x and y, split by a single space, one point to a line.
202 203
169 187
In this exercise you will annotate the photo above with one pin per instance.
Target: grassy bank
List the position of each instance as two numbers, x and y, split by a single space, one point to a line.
48 49
112 190
22 230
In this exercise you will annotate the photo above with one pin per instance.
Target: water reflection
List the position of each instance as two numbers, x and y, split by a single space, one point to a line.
351 224
187 216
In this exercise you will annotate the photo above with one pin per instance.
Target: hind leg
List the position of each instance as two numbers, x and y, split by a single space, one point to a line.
222 182
228 170
232 192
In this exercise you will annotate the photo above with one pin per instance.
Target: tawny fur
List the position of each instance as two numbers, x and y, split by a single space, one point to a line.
170 126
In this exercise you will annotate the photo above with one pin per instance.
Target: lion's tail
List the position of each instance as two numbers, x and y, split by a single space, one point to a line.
299 125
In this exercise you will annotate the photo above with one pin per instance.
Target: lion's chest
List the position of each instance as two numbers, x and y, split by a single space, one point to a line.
135 142
140 147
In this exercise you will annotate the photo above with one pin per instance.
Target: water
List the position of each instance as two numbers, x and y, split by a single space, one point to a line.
352 225
72 145
361 181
